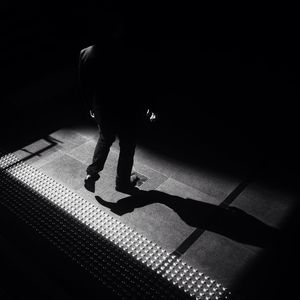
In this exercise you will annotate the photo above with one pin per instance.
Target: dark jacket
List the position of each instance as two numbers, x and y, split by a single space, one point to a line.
117 79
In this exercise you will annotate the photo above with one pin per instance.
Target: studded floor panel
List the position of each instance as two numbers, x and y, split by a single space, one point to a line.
126 262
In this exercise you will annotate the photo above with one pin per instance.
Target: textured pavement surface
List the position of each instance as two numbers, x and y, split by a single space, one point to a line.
188 214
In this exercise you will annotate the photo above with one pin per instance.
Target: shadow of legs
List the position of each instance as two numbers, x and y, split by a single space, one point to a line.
230 221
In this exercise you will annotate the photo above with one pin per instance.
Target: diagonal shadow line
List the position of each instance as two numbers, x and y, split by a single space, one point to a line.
52 143
194 236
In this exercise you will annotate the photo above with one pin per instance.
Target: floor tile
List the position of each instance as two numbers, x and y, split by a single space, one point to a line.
210 182
67 170
39 152
157 221
88 131
84 153
177 188
154 178
220 258
270 205
67 139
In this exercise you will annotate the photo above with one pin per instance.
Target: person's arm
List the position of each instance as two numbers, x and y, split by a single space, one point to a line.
85 78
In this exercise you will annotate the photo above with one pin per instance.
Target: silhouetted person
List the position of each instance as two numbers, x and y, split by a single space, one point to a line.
115 83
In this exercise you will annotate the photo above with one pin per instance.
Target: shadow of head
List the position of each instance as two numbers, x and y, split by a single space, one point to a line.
231 222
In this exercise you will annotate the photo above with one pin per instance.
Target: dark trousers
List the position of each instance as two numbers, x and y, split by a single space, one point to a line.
110 126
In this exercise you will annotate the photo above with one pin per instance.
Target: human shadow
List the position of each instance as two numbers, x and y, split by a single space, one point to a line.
231 222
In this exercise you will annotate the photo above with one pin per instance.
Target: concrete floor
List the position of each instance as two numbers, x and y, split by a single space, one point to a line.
200 215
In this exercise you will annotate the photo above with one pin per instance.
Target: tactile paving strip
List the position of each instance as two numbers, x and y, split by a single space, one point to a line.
125 261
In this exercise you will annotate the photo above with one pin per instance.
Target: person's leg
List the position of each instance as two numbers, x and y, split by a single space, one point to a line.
107 135
127 142
105 140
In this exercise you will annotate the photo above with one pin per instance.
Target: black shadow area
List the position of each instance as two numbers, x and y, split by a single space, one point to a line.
231 222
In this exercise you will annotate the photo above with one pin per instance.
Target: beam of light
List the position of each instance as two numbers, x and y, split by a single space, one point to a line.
29 194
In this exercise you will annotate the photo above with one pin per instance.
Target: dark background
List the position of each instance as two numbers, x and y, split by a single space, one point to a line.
233 67
228 79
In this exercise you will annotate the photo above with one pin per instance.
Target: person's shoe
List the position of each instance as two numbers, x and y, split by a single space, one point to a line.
89 182
128 187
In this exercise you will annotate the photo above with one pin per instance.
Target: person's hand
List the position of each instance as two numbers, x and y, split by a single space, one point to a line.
92 114
151 115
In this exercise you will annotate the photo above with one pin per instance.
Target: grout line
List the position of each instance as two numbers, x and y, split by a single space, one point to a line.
194 236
